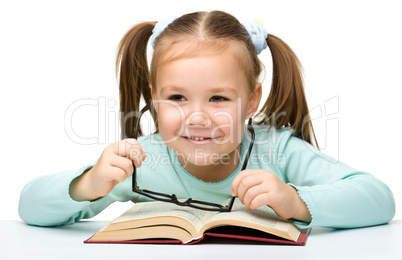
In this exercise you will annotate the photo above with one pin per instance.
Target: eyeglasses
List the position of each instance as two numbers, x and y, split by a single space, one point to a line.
203 205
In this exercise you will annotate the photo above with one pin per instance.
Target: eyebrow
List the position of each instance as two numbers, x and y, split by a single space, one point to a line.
215 89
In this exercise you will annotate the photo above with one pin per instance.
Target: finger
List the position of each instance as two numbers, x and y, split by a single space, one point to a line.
247 183
130 148
237 180
246 180
260 200
116 174
123 163
251 194
134 152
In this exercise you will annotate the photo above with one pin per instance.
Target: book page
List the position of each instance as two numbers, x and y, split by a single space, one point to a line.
163 210
262 215
262 218
147 232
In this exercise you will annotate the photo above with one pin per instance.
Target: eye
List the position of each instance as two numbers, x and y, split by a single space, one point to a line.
177 98
218 99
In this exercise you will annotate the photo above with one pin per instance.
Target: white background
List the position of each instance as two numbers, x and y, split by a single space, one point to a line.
55 53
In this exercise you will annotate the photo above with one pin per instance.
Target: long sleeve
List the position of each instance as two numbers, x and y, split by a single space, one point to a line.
45 201
336 195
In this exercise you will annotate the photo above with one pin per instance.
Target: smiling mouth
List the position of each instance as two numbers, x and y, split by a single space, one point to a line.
197 139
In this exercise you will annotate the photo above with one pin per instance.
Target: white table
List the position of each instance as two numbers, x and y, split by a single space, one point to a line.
20 241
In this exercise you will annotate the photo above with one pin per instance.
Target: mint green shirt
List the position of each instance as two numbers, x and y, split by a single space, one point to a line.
336 195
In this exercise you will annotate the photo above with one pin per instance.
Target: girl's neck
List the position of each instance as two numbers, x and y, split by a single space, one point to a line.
215 172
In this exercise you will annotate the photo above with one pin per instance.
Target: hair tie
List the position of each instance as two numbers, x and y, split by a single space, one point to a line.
160 27
258 34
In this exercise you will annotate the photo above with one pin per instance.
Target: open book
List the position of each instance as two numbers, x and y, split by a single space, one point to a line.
161 222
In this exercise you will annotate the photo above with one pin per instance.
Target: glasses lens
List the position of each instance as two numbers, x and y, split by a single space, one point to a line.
182 202
157 195
206 205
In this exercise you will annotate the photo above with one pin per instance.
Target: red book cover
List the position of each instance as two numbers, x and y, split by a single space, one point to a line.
225 234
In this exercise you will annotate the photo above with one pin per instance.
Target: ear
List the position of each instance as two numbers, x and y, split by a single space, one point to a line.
153 95
254 100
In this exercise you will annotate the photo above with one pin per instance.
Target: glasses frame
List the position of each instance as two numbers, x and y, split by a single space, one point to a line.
203 205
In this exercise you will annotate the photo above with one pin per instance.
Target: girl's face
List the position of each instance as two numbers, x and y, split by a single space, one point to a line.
202 105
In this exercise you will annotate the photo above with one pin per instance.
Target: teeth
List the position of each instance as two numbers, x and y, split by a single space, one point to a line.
197 138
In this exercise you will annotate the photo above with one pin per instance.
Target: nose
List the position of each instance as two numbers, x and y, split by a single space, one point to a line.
198 118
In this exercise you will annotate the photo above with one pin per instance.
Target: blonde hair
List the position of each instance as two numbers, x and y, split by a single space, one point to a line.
215 31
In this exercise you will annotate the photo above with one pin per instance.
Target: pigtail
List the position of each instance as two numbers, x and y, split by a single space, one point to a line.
286 104
132 65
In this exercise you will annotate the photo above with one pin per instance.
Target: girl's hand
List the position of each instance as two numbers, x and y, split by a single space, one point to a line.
256 188
113 167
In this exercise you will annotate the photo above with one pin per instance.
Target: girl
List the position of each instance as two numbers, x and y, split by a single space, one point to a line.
203 83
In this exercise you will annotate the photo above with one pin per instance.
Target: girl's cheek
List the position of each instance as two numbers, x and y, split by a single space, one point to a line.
170 117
